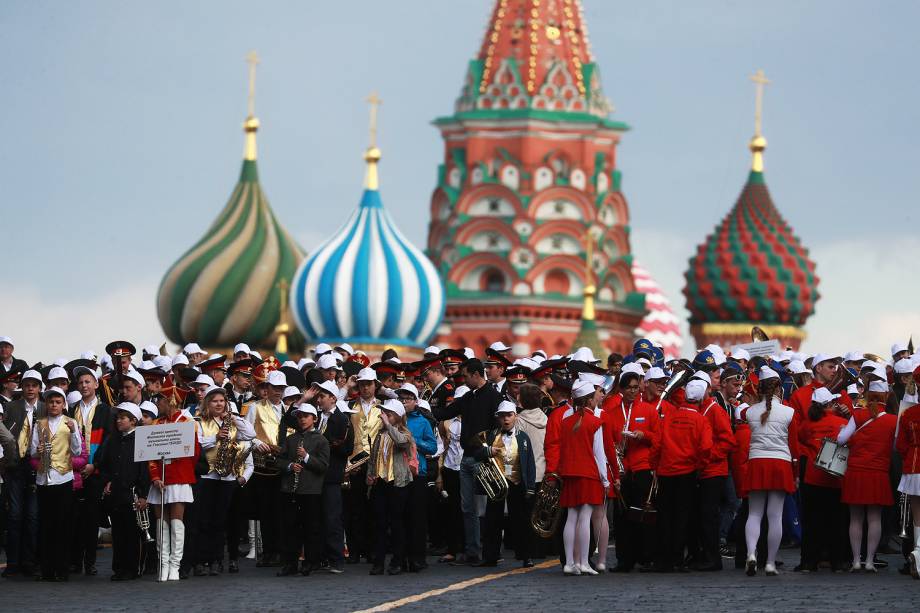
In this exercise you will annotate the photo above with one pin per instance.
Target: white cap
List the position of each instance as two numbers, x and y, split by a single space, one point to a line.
853 388
7 340
424 404
394 406
290 391
506 406
797 367
823 357
321 348
276 378
51 391
57 373
327 386
129 407
73 398
499 346
904 366
193 348
880 371
785 356
593 379
584 354
215 389
151 350
702 376
304 362
147 365
582 389
644 361
204 380
766 372
162 362
408 388
740 409
367 374
89 355
344 408
853 356
31 374
655 373
241 348
468 353
139 379
539 355
149 407
822 395
633 368
346 348
305 407
83 370
530 363
740 353
695 390
878 386
461 391
179 360
60 361
327 360
289 363
898 348
255 355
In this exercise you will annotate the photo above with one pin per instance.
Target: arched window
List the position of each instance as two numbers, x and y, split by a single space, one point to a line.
556 282
493 280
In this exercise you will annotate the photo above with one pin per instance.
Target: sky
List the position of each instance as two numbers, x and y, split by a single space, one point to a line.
122 140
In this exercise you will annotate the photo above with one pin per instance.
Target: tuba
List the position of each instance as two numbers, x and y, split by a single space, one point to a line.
758 335
491 476
677 380
841 381
544 519
223 463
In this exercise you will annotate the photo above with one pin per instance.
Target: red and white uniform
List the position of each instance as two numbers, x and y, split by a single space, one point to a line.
683 444
180 472
582 461
640 416
800 399
870 442
774 448
908 446
811 436
552 440
723 439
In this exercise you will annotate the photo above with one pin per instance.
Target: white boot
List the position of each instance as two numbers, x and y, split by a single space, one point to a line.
914 556
163 549
252 540
178 544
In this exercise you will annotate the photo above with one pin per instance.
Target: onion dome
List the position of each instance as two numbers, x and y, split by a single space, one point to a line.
225 289
752 270
368 284
660 325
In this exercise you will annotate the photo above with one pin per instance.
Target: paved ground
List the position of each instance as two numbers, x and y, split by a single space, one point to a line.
539 589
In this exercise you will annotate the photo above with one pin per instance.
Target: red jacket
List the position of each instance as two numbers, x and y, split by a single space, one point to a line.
642 417
684 443
800 400
739 457
908 443
577 446
723 439
870 447
811 435
552 438
178 470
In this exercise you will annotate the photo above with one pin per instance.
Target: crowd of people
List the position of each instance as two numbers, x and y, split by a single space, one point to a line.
334 461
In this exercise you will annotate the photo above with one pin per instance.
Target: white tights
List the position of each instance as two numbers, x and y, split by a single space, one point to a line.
773 500
576 535
601 531
858 512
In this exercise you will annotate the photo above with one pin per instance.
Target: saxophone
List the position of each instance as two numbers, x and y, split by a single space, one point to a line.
223 463
44 447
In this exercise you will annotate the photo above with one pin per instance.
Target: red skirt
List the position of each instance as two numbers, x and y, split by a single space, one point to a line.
769 474
577 491
862 486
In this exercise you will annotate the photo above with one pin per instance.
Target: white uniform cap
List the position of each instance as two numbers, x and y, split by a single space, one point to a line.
797 367
89 355
57 373
204 380
179 360
191 348
499 346
461 391
307 408
83 370
139 379
304 362
880 371
655 373
506 406
255 355
530 363
766 372
593 379
327 386
878 386
346 348
344 408
151 350
131 408
582 389
321 348
904 366
367 374
633 368
584 354
7 340
215 389
241 348
853 356
786 356
276 378
31 374
394 406
163 362
291 391
424 404
289 363
822 395
853 388
149 407
409 389
327 360
644 361
695 390
73 398
898 348
823 357
703 376
147 365
539 354
469 353
54 390
740 353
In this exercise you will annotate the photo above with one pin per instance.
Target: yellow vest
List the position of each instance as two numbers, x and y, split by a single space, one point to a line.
266 422
511 456
365 427
60 445
210 427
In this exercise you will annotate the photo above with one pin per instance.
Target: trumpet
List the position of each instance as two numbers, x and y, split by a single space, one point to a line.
143 520
44 446
906 519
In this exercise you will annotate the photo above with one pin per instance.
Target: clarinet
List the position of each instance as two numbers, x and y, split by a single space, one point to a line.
297 474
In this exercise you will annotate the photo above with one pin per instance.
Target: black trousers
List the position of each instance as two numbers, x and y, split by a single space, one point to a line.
333 524
416 518
19 492
437 531
452 517
824 526
389 504
675 495
126 542
359 522
519 522
213 504
265 499
237 524
709 495
635 541
87 511
300 515
55 506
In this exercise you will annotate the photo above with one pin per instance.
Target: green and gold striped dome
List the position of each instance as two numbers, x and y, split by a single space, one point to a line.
227 288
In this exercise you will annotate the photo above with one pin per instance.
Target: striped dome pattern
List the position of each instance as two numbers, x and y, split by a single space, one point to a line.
224 290
660 325
367 284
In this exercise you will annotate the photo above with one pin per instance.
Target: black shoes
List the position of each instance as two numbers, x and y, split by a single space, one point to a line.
527 563
377 569
233 567
215 568
200 570
288 570
394 570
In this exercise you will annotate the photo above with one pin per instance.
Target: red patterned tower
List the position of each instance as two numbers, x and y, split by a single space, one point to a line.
529 173
751 270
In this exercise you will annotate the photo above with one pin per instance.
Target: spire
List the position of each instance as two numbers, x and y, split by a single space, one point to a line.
372 153
283 327
587 334
251 125
758 142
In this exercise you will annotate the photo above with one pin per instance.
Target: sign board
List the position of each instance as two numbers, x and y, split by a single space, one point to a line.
764 348
164 441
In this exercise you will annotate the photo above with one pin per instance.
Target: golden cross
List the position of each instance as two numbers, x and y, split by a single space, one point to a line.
252 58
283 286
760 80
375 102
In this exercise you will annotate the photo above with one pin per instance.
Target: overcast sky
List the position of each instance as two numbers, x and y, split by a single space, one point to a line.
122 139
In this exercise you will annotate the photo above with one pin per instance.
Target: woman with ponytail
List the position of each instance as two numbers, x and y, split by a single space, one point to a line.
771 470
866 487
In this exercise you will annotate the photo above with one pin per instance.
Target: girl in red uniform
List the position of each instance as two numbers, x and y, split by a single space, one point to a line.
823 516
770 469
870 437
908 446
583 468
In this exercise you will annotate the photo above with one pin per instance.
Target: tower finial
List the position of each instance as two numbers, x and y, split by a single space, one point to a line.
372 154
587 313
251 125
758 142
283 327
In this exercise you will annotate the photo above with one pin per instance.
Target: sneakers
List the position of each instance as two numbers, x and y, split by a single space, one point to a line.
571 570
770 570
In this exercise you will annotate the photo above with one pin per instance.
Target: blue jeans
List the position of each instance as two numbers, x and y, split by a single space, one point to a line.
469 506
22 521
728 509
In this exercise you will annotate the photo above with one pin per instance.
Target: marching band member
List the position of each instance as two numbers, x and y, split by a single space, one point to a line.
824 366
866 489
512 449
126 483
908 447
532 422
771 470
365 423
449 476
682 447
389 474
417 501
55 440
823 516
583 468
305 459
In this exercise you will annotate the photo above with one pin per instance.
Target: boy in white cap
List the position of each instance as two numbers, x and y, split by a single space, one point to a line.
8 362
365 424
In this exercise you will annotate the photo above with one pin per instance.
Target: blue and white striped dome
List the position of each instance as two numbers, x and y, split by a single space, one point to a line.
368 284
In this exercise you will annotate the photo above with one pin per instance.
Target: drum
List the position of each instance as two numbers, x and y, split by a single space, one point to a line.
832 458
